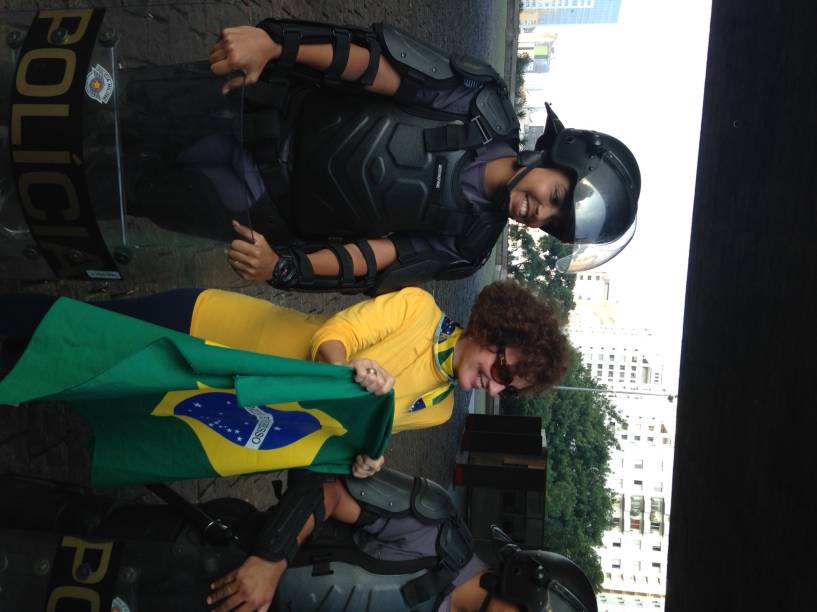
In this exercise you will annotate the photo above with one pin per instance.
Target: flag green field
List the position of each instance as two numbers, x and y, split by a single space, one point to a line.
166 406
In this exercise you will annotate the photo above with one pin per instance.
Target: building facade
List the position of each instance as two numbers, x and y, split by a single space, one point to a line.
629 361
571 12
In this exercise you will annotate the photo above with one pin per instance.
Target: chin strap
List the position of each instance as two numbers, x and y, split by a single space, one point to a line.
490 582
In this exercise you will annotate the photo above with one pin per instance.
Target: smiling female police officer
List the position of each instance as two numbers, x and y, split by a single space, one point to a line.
415 183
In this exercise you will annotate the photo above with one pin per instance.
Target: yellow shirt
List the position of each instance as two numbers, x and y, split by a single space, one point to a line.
398 330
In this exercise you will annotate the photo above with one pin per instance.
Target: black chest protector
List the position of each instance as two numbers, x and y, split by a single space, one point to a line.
361 168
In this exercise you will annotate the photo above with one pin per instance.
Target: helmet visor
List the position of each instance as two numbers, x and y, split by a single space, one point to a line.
588 256
562 600
602 205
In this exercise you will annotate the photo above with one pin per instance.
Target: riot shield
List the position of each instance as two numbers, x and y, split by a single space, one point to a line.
49 571
111 164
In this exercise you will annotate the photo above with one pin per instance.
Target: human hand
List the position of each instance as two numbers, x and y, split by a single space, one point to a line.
372 376
243 48
252 258
250 587
364 466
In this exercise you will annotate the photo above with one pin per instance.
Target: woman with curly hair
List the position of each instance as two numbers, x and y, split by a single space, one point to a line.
402 340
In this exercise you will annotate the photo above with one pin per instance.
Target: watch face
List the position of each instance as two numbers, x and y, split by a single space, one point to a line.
285 272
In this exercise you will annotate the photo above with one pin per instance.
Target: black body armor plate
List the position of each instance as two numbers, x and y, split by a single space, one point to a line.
361 165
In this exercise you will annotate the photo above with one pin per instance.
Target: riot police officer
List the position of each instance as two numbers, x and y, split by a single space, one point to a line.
399 163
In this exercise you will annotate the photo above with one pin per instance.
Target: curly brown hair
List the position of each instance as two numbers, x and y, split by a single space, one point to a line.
505 314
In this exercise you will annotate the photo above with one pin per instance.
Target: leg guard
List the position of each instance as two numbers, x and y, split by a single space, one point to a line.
277 538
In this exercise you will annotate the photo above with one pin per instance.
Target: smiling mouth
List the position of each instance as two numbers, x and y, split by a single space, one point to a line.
522 211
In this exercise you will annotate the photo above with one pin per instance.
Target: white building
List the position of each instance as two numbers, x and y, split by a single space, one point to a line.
629 360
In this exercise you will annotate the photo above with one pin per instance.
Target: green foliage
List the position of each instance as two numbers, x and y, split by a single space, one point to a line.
534 265
519 101
579 427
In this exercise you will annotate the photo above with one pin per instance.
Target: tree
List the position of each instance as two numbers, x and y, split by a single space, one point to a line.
533 263
579 428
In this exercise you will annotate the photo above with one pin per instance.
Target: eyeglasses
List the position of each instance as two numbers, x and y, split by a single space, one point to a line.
502 373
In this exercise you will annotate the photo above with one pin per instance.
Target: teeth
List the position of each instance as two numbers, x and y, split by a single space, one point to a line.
523 209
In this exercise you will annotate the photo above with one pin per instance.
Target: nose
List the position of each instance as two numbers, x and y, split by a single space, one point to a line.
494 388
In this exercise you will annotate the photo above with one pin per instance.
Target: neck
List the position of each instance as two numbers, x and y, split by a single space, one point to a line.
498 172
468 597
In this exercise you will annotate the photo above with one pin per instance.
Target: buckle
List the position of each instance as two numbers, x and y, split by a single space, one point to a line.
486 138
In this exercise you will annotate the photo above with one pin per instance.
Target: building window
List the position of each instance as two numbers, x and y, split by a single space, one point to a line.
638 483
612 357
616 563
617 543
656 565
657 547
657 515
636 512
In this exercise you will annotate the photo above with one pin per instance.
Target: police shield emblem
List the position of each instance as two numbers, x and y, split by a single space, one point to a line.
99 84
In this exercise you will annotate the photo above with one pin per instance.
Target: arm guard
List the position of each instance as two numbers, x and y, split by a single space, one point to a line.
292 34
277 538
303 277
423 258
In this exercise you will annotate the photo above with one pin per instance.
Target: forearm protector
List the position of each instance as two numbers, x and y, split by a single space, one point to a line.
304 278
291 34
277 539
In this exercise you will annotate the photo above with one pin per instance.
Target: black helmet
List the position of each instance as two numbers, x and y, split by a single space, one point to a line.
606 183
537 580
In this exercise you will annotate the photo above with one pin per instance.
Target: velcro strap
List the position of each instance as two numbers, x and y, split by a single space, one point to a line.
368 76
289 48
341 42
371 260
427 586
453 137
347 267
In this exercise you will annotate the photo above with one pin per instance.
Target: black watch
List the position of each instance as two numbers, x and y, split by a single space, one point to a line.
285 274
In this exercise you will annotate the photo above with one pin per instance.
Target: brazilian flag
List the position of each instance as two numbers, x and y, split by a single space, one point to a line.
166 406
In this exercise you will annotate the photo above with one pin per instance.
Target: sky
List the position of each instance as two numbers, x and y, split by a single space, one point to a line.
641 80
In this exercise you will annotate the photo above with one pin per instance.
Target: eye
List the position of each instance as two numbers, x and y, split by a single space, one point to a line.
556 198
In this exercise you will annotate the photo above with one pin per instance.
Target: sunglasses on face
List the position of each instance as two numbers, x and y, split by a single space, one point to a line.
502 373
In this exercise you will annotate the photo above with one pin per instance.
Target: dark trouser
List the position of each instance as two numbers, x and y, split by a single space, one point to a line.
20 314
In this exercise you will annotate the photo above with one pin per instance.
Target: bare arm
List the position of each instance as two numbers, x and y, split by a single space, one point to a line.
249 49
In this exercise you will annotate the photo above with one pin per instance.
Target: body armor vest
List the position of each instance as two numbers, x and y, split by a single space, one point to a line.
362 169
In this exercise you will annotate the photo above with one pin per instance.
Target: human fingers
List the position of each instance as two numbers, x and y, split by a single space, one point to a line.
217 53
224 579
244 231
235 83
230 604
229 589
246 257
221 67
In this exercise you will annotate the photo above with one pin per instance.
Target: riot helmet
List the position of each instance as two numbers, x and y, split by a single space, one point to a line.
605 182
536 580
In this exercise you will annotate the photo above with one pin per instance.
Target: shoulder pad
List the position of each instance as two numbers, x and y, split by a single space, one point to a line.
430 502
496 109
481 236
388 492
407 51
474 69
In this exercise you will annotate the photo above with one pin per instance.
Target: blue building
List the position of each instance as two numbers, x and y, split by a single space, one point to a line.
564 12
